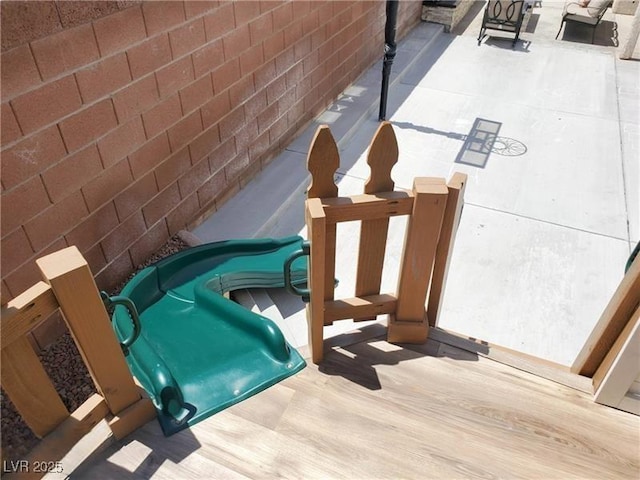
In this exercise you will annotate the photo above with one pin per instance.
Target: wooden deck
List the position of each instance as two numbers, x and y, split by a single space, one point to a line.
376 410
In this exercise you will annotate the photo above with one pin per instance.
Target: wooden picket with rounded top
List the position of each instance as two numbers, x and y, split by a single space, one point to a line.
429 206
383 155
323 162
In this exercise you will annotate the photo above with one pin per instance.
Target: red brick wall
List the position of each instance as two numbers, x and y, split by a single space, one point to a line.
119 129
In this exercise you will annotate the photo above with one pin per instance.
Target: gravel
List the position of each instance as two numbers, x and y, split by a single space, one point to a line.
63 363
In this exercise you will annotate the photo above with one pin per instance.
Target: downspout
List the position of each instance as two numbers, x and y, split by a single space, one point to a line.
389 54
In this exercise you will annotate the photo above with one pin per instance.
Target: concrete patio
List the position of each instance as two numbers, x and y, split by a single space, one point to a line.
551 214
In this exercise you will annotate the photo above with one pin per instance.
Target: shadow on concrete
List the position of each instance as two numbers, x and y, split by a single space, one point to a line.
478 145
507 43
429 130
533 23
481 141
468 18
508 147
606 34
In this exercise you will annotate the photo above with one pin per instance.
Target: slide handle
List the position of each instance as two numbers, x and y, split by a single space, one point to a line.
305 293
110 302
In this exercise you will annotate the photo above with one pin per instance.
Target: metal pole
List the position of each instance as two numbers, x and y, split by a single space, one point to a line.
389 54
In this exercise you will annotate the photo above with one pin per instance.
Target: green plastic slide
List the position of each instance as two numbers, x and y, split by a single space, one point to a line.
194 351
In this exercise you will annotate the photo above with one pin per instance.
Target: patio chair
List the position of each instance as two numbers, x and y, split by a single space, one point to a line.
503 15
590 15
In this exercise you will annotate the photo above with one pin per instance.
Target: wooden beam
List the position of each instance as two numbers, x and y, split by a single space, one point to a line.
73 285
452 214
367 207
358 308
624 368
132 418
30 389
330 239
409 324
612 322
415 332
316 232
613 353
527 363
95 441
25 312
59 442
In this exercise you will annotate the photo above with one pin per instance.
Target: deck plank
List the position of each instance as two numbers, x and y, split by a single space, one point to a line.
376 410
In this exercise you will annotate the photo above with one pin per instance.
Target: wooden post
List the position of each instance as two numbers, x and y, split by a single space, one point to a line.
26 312
383 155
452 213
409 324
611 324
23 378
58 443
316 232
623 369
133 417
30 389
70 278
616 348
25 381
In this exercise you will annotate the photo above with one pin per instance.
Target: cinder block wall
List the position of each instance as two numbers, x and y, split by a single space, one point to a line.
124 122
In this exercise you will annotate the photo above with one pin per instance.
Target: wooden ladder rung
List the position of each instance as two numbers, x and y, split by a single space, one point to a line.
359 307
367 206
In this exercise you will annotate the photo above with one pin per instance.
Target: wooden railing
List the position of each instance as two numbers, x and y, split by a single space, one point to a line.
434 209
69 286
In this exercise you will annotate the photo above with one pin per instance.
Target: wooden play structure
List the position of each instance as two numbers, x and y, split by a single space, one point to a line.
71 288
609 361
433 207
